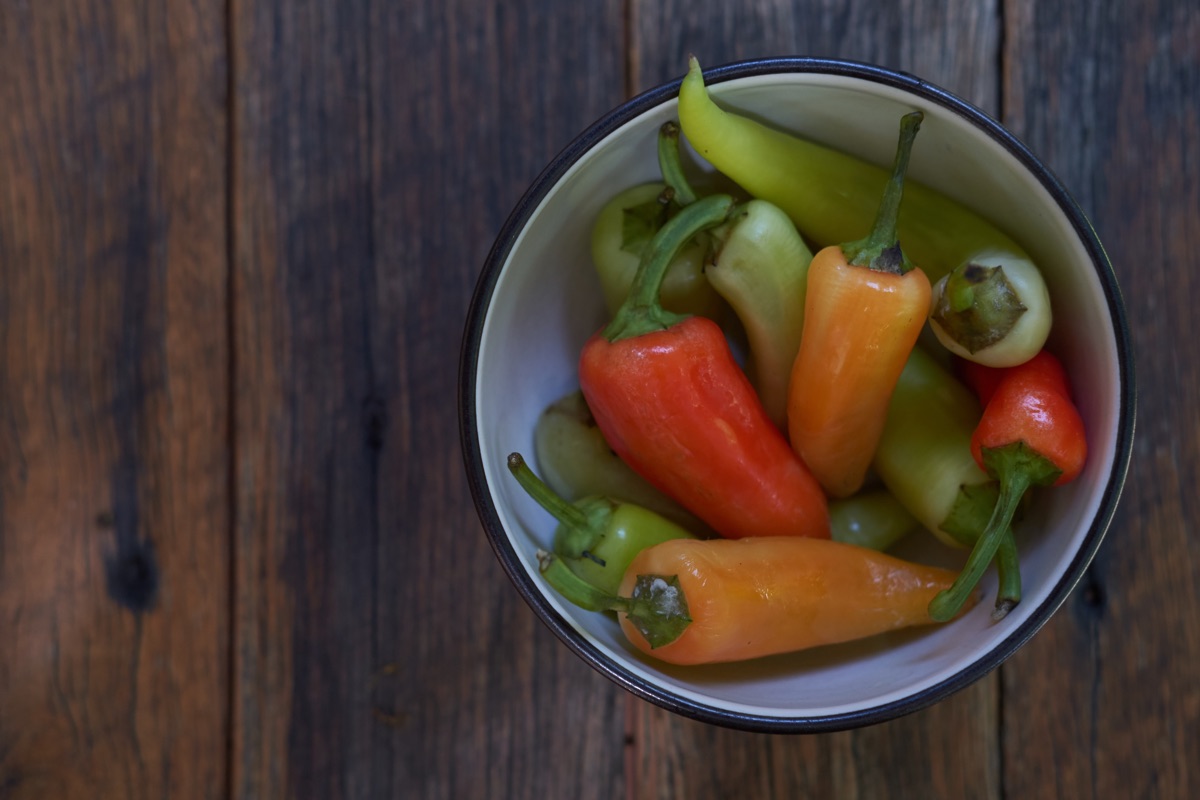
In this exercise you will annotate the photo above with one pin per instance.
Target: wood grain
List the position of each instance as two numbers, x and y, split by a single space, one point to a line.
113 472
1105 702
238 554
381 652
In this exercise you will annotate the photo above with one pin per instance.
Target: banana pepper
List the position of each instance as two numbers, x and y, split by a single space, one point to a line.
829 193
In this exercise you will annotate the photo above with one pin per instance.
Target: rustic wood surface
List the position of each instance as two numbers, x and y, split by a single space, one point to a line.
238 555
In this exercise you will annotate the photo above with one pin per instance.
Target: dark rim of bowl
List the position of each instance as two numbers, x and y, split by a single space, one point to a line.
474 463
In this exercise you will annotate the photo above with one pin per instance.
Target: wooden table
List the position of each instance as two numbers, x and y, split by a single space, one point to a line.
238 556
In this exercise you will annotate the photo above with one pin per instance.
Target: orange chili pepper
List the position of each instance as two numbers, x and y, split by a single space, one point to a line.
865 308
717 600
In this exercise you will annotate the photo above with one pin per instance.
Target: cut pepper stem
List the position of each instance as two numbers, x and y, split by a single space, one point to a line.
657 608
641 312
880 250
1008 570
671 164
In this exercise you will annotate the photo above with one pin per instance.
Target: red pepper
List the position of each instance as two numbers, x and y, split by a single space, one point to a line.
1030 434
672 402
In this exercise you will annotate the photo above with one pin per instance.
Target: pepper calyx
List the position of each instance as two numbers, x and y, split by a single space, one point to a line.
658 609
977 306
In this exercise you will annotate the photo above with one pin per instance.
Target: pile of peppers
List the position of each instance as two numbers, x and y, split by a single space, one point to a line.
796 375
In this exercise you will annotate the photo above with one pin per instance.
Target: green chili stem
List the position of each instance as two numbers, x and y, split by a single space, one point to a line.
547 498
671 164
1008 569
641 312
880 250
574 588
948 602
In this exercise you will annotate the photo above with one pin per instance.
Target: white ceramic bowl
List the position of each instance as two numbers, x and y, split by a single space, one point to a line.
537 301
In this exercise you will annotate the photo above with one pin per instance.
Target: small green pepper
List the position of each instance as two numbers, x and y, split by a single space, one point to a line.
874 519
597 537
621 231
576 462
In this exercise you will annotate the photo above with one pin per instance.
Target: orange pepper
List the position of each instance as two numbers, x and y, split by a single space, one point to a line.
865 307
748 598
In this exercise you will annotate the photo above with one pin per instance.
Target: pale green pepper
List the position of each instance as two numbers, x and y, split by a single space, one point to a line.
993 310
622 229
759 264
577 462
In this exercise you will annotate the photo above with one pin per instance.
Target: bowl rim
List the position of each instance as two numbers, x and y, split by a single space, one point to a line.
468 372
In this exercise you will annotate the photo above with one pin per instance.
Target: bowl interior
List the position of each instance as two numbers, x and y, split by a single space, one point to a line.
545 301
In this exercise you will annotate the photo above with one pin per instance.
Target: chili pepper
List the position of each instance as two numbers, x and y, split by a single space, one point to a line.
866 305
719 600
759 265
827 192
673 403
874 519
1030 434
993 309
622 230
577 462
924 459
598 536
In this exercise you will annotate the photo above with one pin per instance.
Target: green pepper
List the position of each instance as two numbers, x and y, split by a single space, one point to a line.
576 462
924 459
597 537
874 519
760 266
621 231
829 194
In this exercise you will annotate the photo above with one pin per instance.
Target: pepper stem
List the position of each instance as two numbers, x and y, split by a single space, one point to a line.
1008 570
968 519
948 602
546 497
1018 467
658 607
641 312
880 250
671 164
583 524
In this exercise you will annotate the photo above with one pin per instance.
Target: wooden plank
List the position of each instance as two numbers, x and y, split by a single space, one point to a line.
113 380
381 652
956 47
1113 108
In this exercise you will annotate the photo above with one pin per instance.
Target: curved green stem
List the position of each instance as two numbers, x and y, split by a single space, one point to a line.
948 602
671 164
641 312
547 498
880 250
657 608
1008 570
